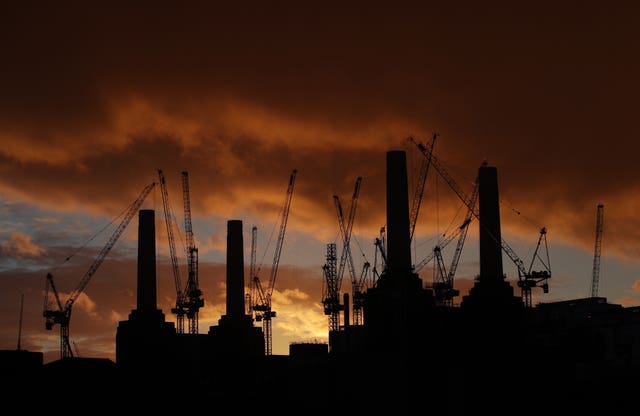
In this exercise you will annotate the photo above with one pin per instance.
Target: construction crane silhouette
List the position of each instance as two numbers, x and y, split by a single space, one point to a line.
380 244
419 192
460 234
252 272
62 315
357 282
359 289
179 310
331 288
595 280
260 296
527 278
533 278
443 284
333 278
192 295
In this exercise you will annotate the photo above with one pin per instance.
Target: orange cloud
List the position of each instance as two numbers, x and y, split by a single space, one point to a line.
20 245
83 129
628 301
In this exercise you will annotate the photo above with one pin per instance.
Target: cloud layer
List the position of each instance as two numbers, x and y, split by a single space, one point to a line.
97 98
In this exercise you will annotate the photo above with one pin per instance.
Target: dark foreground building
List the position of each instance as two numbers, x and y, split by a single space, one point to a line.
490 355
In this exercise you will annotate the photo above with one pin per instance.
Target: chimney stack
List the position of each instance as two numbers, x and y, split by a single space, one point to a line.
398 238
491 291
235 270
490 236
147 297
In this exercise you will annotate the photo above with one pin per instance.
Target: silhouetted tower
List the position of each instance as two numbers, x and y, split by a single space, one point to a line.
398 239
144 339
595 280
147 285
235 271
491 272
398 304
235 334
491 290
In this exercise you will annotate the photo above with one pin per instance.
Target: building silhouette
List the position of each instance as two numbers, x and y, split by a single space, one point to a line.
490 354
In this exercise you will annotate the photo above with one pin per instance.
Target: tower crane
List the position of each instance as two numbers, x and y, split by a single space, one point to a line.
357 283
263 297
464 228
192 295
444 243
252 270
440 285
179 310
532 278
62 315
419 192
527 278
331 289
595 280
444 281
380 244
358 293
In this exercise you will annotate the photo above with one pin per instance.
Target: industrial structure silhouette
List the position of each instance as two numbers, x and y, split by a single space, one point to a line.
492 353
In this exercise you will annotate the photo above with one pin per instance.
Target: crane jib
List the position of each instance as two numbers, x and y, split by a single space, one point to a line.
63 314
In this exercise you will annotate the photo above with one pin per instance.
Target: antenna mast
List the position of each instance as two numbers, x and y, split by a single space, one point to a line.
20 323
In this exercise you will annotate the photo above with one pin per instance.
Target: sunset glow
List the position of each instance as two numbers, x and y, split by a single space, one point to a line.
95 100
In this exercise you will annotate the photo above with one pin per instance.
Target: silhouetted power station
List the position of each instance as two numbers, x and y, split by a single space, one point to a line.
492 353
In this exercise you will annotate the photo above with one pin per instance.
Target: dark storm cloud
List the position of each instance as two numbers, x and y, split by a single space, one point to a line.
95 98
346 64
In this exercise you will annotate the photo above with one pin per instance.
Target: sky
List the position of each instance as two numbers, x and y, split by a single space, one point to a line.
95 99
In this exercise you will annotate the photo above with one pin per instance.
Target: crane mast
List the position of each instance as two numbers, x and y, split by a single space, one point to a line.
596 252
331 289
263 309
346 256
62 315
192 296
252 271
419 192
179 309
